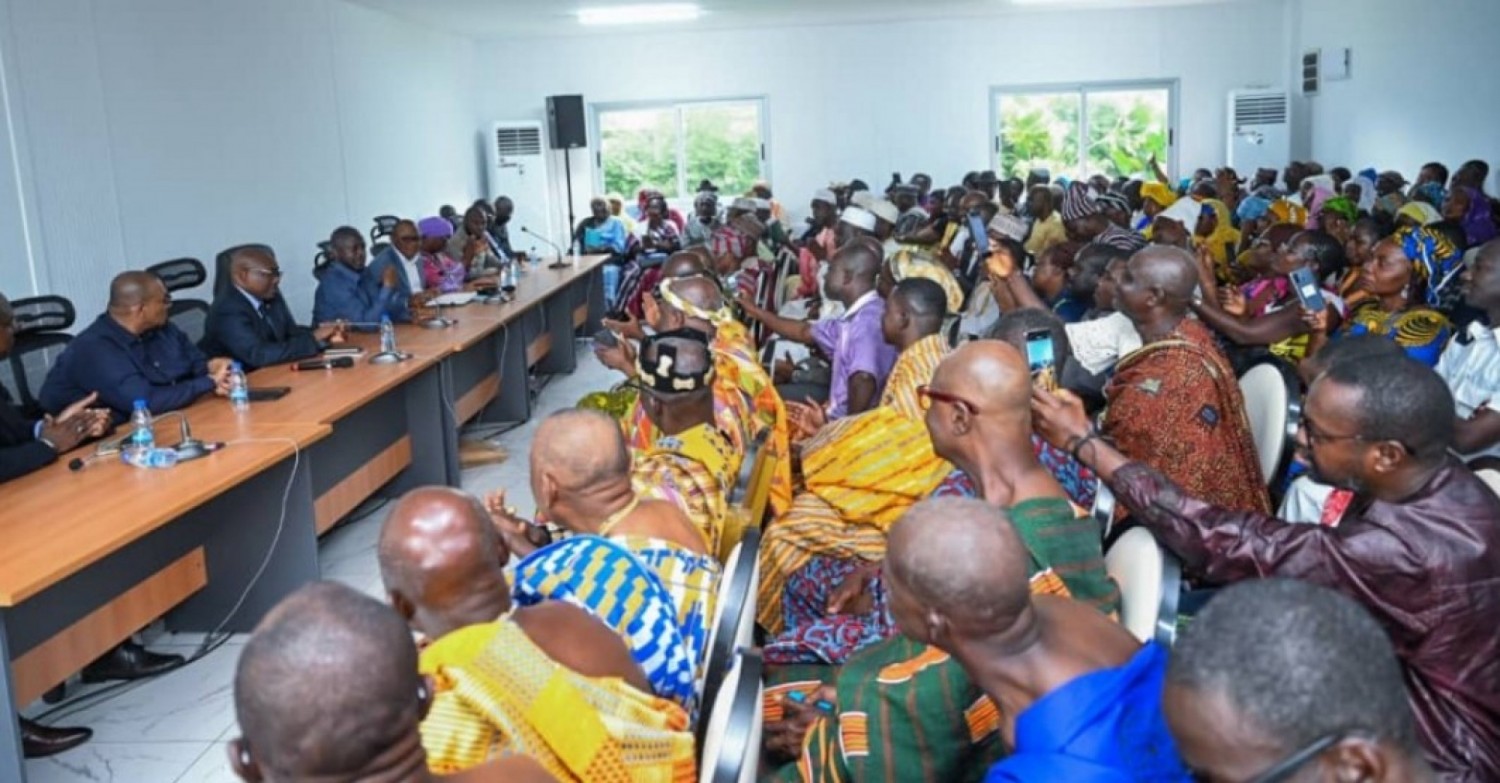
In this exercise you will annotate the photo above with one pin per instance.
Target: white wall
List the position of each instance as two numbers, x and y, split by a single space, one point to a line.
866 100
155 129
1421 87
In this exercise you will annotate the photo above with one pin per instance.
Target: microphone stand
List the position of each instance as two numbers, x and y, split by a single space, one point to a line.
187 448
558 264
437 321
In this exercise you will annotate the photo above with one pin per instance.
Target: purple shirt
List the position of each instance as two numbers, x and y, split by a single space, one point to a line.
855 342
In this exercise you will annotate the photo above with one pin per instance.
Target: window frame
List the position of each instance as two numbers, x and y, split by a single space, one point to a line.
685 188
1082 89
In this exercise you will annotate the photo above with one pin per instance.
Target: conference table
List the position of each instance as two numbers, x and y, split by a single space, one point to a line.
92 555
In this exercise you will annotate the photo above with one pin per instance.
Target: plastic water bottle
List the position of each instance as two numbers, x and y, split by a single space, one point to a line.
387 335
239 388
142 435
536 260
611 284
150 458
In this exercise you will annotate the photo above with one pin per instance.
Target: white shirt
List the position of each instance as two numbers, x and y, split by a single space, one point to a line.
1100 343
413 273
1472 372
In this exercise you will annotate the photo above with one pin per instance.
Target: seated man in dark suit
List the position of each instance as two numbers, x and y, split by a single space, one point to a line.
346 293
27 445
132 352
403 256
251 323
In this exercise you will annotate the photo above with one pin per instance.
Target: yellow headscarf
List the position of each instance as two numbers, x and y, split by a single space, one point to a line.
1288 212
1161 194
905 263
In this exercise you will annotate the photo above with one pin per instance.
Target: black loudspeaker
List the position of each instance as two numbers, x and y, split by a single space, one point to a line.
565 125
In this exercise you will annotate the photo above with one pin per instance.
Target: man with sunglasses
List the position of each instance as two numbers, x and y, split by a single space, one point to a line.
1419 546
1279 680
250 320
403 256
132 352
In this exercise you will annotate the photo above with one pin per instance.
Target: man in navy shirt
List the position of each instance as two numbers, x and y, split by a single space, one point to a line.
132 353
346 292
250 321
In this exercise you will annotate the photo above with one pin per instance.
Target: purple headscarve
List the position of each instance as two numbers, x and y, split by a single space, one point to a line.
1479 220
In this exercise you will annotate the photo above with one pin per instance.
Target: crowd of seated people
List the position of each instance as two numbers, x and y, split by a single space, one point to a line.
933 601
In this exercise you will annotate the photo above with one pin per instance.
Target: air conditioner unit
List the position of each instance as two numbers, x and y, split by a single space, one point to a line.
1260 133
517 167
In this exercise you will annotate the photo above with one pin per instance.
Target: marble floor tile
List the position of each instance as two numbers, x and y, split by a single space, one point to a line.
119 762
194 703
211 767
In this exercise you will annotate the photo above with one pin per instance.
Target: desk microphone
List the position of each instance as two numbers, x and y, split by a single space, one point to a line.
77 463
187 448
558 264
324 364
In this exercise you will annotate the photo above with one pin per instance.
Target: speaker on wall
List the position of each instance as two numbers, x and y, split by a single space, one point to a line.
565 125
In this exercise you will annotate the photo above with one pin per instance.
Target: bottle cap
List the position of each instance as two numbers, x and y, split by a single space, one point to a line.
139 404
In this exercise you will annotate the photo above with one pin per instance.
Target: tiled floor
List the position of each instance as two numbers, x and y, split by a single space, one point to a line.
174 729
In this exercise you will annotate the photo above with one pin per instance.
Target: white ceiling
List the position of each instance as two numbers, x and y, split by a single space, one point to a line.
483 19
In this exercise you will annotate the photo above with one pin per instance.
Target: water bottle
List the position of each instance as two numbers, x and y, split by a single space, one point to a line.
611 284
239 389
387 335
142 437
536 260
149 458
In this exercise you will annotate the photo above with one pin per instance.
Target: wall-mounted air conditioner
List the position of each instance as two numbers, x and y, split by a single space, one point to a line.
517 167
1259 130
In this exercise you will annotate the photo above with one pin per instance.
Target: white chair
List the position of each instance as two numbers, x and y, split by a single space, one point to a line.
733 625
1150 582
1491 479
1270 390
730 747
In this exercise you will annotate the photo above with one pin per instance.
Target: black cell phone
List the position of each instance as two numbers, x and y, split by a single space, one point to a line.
617 315
977 230
1305 283
605 338
1041 358
268 393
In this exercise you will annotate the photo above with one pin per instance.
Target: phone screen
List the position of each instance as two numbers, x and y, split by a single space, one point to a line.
606 338
977 232
1040 358
1307 289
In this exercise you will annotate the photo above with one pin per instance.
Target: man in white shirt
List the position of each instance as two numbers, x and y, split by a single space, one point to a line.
406 246
1471 364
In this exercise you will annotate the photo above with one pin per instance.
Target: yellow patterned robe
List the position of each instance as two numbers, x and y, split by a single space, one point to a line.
498 694
695 470
862 473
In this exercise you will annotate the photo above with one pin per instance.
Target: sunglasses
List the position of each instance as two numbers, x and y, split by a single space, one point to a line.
926 395
404 238
274 274
1283 770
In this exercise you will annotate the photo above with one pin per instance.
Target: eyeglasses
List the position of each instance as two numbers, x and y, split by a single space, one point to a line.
274 274
926 395
1287 767
402 239
1314 436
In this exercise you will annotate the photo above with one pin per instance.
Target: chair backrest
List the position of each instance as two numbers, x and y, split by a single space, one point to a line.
325 254
384 225
191 316
1150 582
180 274
734 615
730 746
222 277
1268 389
36 314
1491 479
31 358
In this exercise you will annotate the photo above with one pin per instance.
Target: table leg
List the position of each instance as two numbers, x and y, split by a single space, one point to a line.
434 432
514 401
12 758
559 324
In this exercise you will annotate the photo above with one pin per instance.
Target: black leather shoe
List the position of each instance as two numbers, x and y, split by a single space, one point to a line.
129 661
38 741
56 694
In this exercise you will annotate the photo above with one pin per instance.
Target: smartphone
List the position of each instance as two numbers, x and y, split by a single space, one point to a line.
977 231
268 393
1305 283
605 338
1041 359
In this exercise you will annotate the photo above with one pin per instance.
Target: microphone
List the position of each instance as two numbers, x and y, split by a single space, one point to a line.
77 463
558 264
324 364
187 448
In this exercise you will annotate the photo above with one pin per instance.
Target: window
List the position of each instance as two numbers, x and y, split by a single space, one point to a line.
674 146
1080 130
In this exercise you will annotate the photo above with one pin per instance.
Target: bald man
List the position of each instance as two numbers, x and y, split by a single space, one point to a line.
1078 697
132 352
441 559
1175 403
359 658
861 359
251 323
403 258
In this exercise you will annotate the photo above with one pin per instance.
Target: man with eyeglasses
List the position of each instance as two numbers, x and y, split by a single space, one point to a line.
250 321
132 352
1278 680
1418 546
403 256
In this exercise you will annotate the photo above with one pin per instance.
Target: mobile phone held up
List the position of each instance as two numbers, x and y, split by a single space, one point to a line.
1305 283
604 338
978 231
1041 358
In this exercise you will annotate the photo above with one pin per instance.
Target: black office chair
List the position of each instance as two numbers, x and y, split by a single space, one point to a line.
323 258
41 324
181 274
384 225
223 279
